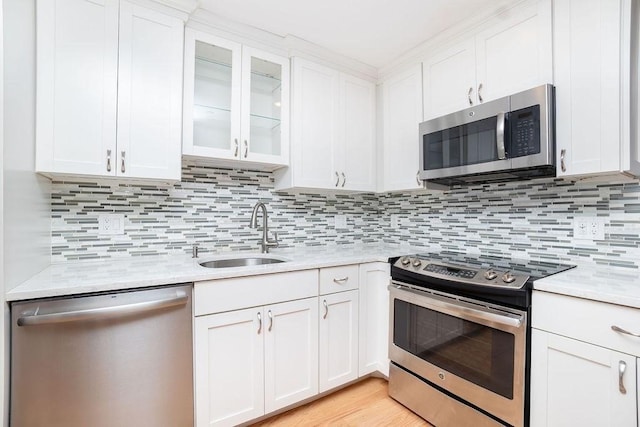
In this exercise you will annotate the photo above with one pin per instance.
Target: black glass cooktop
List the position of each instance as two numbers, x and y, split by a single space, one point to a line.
535 269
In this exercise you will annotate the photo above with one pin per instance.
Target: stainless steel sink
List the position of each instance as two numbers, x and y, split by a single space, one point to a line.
241 262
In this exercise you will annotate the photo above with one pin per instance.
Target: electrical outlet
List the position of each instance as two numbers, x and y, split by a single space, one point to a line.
341 221
588 228
395 221
110 224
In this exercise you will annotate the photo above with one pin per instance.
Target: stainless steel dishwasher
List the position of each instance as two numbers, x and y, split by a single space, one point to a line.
117 359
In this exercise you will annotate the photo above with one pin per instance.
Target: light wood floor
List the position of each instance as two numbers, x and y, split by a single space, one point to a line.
363 404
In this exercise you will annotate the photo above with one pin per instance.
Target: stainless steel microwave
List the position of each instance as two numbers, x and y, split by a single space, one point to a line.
508 139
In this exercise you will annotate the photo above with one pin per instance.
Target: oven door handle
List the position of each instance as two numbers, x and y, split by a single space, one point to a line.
513 320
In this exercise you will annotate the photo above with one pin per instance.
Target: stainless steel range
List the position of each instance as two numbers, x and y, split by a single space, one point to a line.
459 337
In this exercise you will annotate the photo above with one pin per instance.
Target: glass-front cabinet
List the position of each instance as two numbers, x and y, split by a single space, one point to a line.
235 102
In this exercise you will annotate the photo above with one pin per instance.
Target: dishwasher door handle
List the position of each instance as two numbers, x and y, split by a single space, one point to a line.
99 313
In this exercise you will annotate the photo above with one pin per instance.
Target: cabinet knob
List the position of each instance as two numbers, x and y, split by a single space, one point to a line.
337 179
246 149
122 154
480 93
418 179
344 179
270 315
326 309
108 160
469 96
235 153
563 166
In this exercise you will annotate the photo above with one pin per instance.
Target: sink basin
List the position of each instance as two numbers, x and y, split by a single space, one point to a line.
240 262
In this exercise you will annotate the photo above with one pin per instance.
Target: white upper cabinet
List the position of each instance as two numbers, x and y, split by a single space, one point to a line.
109 90
236 105
511 55
592 77
402 113
332 131
356 143
450 80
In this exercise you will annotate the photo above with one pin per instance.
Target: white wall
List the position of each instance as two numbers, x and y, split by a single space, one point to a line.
3 372
25 225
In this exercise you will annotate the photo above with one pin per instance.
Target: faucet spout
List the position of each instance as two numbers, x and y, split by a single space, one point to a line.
265 243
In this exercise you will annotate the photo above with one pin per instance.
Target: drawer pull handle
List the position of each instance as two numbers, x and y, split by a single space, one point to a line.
326 309
622 331
622 367
270 320
341 281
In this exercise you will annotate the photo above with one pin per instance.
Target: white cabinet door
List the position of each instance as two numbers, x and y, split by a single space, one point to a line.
515 54
356 142
291 352
578 384
338 343
149 94
587 61
212 80
265 107
229 363
402 113
450 80
313 120
77 59
374 318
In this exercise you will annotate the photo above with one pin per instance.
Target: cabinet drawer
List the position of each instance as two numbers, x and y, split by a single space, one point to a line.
587 320
336 279
215 296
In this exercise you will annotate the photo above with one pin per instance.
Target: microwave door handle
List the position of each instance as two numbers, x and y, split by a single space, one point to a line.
500 125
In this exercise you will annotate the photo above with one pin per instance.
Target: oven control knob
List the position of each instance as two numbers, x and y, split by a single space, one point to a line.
508 277
405 261
417 263
490 275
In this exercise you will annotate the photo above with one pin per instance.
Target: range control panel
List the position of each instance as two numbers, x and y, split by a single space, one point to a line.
471 275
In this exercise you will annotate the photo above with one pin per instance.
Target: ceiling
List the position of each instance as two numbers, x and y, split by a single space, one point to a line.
371 31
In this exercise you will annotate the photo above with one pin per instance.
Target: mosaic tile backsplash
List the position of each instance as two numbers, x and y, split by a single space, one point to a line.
212 207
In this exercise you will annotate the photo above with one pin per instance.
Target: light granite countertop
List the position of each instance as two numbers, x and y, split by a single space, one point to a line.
600 283
82 277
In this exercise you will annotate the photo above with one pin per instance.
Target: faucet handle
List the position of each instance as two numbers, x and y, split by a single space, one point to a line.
274 243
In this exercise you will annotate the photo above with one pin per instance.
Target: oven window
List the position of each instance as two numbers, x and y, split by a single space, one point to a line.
477 353
461 145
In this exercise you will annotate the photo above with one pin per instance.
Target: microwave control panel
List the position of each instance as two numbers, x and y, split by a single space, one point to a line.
525 131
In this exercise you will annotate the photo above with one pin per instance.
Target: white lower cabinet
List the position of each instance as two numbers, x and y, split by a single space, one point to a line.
578 384
254 361
583 364
338 339
290 353
330 329
229 360
374 318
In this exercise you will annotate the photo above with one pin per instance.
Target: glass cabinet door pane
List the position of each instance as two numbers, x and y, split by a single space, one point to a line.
266 98
212 96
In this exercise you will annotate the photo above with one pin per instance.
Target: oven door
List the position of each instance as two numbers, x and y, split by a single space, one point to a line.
472 349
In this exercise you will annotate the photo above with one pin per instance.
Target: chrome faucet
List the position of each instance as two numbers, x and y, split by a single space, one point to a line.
266 243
